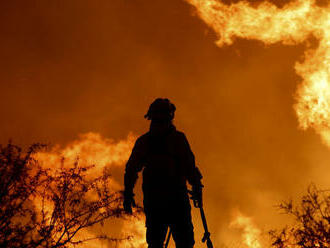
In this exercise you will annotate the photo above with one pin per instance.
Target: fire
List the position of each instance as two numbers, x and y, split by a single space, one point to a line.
251 234
290 25
93 149
89 149
137 228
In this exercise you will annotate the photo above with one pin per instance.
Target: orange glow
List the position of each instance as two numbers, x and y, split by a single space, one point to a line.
137 229
243 103
92 148
251 234
290 25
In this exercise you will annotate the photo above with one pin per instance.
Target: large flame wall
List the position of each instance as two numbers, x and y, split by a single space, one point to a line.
292 24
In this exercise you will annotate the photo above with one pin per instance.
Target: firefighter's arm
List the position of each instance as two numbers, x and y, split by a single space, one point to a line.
193 174
133 167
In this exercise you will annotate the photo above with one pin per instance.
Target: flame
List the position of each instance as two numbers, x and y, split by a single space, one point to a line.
133 227
137 229
290 25
92 148
251 234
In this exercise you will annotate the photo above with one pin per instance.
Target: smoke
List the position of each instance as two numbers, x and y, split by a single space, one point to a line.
292 24
104 153
83 66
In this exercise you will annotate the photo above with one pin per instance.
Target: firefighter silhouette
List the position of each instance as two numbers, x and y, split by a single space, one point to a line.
165 157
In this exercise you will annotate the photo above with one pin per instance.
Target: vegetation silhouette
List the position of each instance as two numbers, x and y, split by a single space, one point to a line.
48 207
311 226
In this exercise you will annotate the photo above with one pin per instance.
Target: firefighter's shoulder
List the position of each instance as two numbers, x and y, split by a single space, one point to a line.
180 134
142 139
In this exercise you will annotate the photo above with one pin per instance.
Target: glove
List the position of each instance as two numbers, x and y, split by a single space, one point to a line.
196 195
128 202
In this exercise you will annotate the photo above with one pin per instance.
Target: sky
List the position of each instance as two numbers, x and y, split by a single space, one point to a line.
72 67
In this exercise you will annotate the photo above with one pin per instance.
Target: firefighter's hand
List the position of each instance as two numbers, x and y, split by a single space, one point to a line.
197 195
128 202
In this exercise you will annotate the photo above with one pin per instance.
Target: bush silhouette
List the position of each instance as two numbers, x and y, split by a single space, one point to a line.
311 226
48 207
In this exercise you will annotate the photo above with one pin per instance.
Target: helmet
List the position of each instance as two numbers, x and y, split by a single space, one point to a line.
161 109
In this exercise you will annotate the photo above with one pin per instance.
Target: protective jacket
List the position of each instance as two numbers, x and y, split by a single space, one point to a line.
167 162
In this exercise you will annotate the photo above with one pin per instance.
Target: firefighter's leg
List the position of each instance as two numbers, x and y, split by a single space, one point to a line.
156 230
182 227
183 234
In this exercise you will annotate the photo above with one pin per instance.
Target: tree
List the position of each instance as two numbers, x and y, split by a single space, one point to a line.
311 226
48 207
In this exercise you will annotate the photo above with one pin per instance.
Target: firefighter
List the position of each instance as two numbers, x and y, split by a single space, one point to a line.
165 157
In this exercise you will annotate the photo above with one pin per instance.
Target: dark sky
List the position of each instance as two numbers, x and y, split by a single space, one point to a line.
70 67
